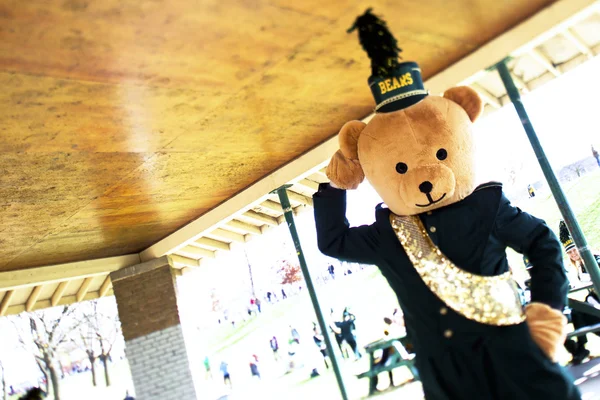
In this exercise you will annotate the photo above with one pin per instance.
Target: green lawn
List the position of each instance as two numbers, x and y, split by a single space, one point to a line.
583 195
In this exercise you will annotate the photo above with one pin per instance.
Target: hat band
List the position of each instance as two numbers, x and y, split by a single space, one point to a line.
401 96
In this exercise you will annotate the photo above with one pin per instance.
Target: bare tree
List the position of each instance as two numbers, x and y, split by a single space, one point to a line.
43 333
3 380
99 330
289 273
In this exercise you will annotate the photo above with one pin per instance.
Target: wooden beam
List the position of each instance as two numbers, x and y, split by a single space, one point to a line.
544 61
33 298
486 96
320 177
494 51
85 286
272 205
212 244
61 272
225 234
299 198
267 219
244 226
197 252
58 293
578 43
65 300
106 285
517 41
6 302
182 261
308 184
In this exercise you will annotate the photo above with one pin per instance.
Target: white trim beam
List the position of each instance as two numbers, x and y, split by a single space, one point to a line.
244 226
272 205
58 293
225 234
83 290
578 43
299 198
544 61
40 304
486 96
531 33
33 298
196 252
181 261
212 244
307 183
106 286
258 217
6 302
56 273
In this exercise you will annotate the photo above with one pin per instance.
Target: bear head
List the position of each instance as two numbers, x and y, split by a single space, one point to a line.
417 159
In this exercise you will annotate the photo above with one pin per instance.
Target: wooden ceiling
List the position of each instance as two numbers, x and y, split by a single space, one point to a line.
121 122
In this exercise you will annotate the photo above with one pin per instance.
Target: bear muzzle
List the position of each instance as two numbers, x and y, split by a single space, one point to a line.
428 185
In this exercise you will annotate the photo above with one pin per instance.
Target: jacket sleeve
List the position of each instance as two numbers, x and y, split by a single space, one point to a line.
335 238
533 238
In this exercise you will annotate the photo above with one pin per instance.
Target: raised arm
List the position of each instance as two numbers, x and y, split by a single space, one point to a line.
334 235
533 238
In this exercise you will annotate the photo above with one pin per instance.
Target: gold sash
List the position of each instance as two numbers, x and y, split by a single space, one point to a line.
492 300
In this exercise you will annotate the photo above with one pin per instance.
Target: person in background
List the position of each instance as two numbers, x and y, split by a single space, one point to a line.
34 393
208 373
258 303
275 347
333 326
320 342
254 366
576 346
596 155
347 327
531 191
225 370
331 270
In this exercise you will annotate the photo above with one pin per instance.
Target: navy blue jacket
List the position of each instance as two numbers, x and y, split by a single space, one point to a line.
474 234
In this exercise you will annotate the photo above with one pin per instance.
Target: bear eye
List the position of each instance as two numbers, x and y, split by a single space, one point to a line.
401 168
441 154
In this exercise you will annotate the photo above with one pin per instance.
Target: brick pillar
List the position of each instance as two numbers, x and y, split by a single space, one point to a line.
147 302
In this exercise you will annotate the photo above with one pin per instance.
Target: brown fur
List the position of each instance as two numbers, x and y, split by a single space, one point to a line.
413 136
547 327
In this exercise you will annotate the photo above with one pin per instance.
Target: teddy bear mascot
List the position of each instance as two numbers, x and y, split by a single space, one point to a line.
440 241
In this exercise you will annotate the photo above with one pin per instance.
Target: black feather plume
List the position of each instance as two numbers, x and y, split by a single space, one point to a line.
563 232
378 42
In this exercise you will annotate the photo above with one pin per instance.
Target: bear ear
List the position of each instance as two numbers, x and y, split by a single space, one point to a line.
349 138
468 99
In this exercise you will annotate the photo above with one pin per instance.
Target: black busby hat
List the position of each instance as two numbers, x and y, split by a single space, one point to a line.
394 85
565 236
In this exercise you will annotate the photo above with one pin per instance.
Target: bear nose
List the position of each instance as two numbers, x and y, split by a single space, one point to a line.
426 187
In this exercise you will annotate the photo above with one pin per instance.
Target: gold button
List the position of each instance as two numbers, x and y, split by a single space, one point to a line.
433 229
448 333
443 311
429 213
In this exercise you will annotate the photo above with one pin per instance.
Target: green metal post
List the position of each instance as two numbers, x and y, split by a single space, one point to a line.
289 217
559 196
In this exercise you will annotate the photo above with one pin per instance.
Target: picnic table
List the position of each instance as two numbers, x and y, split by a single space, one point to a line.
400 357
